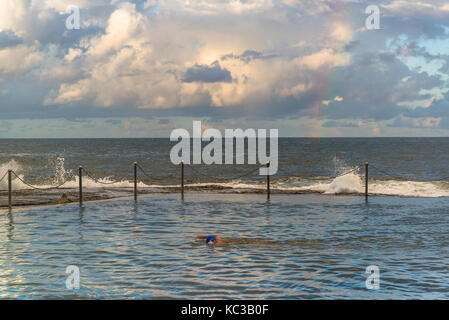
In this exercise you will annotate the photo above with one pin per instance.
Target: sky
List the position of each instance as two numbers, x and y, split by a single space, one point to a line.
310 68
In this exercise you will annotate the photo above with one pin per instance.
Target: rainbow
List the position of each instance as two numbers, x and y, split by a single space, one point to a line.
325 77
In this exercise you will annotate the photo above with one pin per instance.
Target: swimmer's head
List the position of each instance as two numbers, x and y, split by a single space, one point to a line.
211 240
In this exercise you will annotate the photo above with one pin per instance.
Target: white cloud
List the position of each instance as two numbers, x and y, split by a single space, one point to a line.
214 7
316 6
280 56
18 60
72 54
12 14
134 62
62 5
139 59
341 32
417 8
326 57
337 99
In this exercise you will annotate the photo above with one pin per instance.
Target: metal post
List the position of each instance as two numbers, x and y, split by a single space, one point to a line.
182 180
366 180
135 181
80 178
10 189
268 181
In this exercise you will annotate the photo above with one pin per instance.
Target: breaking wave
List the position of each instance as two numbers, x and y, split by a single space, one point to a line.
351 183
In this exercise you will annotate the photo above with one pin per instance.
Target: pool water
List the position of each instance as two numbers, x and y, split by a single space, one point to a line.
293 247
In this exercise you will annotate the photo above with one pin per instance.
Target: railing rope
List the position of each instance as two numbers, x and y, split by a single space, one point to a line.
196 173
321 178
96 180
4 176
34 187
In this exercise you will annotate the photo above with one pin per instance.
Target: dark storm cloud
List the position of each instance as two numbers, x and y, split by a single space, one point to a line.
46 31
52 29
248 56
208 74
438 108
9 39
373 87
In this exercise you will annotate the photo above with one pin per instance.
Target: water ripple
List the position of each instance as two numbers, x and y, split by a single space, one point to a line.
291 248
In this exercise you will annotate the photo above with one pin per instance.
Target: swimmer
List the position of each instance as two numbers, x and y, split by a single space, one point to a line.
213 239
216 240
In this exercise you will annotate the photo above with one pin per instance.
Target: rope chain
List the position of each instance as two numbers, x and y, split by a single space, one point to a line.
6 173
38 188
324 178
97 181
223 178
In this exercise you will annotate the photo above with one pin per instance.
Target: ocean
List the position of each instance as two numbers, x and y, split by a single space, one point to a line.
407 166
313 239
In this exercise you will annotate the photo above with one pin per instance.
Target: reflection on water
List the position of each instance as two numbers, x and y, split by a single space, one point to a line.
294 247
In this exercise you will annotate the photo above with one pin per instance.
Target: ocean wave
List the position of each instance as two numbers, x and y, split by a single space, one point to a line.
345 185
351 183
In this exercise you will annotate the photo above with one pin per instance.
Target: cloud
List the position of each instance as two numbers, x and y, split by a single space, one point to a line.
248 56
416 122
337 99
342 32
436 109
326 57
253 59
19 60
315 7
215 7
207 74
418 9
8 39
333 123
